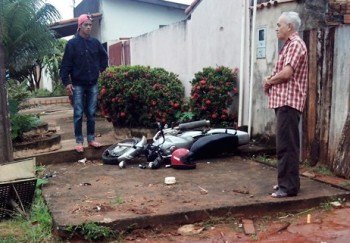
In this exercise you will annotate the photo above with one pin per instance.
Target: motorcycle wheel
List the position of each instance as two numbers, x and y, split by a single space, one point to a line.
112 159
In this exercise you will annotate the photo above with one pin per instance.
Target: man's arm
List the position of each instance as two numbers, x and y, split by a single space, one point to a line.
66 68
103 58
281 77
67 65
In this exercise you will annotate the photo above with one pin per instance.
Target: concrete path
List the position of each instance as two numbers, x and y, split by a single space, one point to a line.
77 192
134 197
60 118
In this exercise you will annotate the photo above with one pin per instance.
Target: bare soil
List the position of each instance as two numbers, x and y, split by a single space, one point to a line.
326 225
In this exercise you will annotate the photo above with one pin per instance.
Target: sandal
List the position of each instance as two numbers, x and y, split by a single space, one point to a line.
79 148
94 144
279 194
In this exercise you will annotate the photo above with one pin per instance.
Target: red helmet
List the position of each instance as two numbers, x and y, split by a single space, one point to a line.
179 159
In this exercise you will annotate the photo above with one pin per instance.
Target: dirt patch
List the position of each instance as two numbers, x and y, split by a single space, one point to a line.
326 226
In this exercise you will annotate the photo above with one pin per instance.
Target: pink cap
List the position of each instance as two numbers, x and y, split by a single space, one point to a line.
82 19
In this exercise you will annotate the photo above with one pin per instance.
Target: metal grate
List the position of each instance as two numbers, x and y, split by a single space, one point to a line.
22 192
4 195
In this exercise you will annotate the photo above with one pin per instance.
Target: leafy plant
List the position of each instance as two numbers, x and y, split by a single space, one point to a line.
41 93
265 160
26 36
22 123
118 201
58 90
92 231
184 116
17 91
213 95
326 206
139 96
53 60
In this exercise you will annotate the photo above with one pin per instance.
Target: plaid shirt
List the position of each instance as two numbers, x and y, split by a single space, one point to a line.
293 92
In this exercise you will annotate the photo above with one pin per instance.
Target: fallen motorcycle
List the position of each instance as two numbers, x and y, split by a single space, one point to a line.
195 136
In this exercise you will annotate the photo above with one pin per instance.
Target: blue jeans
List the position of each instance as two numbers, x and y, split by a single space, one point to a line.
84 101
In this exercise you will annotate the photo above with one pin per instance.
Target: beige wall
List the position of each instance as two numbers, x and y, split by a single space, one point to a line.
211 37
263 119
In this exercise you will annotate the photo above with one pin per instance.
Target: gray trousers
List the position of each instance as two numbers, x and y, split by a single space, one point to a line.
288 147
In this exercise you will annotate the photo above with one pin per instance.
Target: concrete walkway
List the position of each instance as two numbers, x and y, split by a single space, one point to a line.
133 197
59 117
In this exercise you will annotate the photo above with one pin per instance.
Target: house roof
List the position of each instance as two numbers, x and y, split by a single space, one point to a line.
193 5
165 3
69 27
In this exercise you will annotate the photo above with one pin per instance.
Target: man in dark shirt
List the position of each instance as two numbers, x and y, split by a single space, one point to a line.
84 58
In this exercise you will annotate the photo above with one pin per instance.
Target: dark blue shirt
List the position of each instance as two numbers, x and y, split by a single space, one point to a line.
83 60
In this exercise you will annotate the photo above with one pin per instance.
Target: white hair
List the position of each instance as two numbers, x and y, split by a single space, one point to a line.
293 19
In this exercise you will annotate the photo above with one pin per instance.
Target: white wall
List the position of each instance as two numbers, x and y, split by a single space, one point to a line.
125 18
46 81
211 37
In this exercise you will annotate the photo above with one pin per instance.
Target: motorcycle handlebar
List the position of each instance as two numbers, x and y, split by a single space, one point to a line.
194 124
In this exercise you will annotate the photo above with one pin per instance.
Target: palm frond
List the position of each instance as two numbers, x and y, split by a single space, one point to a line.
25 32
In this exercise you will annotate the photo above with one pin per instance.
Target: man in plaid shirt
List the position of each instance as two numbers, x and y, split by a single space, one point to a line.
286 89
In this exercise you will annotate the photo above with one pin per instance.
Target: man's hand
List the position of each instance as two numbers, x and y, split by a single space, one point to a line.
69 89
267 84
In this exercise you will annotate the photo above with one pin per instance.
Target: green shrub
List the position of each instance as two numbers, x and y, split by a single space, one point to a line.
138 96
22 123
17 94
214 95
58 90
41 93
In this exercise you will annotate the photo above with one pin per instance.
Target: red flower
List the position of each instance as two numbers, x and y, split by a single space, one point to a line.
235 90
176 105
208 102
153 102
202 82
103 91
214 115
122 114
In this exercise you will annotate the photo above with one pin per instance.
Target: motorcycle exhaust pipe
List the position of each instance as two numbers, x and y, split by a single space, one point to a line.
194 124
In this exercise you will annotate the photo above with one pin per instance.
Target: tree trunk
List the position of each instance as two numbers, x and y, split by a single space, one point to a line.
341 162
6 152
37 70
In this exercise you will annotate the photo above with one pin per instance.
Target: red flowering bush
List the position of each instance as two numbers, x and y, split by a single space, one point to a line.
138 96
214 95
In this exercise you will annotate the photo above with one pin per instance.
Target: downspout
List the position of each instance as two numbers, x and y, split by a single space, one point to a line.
241 67
252 59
